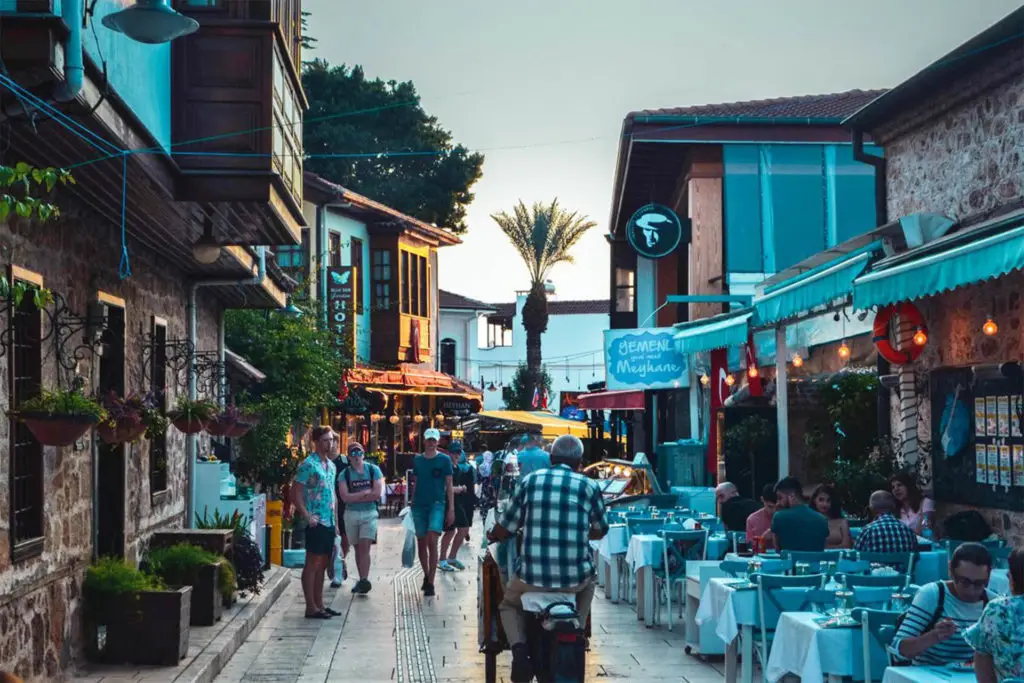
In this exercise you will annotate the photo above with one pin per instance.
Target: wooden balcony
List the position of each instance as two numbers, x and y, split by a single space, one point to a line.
237 112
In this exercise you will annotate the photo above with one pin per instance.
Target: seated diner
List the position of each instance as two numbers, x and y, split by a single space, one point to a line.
732 507
826 501
795 526
759 522
885 533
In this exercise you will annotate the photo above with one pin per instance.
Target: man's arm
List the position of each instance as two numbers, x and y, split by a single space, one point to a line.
598 518
911 638
298 501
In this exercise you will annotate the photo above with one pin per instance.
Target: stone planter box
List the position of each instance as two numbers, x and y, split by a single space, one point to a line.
163 630
207 601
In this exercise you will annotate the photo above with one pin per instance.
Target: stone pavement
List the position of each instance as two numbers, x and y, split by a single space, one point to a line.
433 639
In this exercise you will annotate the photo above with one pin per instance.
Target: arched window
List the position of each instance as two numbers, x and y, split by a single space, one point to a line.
448 356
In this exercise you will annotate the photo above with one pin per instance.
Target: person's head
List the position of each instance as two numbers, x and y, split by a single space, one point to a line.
788 492
456 452
768 498
969 569
881 503
430 439
356 453
567 450
323 440
725 491
905 491
1017 572
825 501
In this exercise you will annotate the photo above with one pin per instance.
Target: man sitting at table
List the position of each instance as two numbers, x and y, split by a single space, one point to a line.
885 534
732 507
931 632
760 522
795 526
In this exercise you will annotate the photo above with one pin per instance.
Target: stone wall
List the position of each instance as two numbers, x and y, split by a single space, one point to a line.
40 598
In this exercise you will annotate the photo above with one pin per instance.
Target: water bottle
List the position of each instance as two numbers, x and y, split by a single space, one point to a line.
926 529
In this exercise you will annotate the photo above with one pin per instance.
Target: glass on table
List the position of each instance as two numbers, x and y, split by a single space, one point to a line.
844 601
899 602
802 568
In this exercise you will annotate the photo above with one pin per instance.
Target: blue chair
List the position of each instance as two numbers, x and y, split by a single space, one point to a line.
878 626
813 559
737 540
1001 556
901 562
634 526
738 568
856 581
775 595
679 547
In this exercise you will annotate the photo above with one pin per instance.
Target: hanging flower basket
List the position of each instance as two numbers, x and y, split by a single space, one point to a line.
216 428
192 417
240 429
188 425
230 422
124 430
57 430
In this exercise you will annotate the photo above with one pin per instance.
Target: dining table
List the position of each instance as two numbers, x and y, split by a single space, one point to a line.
927 674
808 645
732 608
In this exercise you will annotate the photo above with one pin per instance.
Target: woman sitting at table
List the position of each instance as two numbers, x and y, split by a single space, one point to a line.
915 509
825 501
998 637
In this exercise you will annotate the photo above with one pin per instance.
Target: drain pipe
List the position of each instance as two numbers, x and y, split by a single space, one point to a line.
72 14
192 440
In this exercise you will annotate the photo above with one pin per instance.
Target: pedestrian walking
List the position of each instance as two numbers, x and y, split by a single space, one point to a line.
337 578
361 485
433 504
486 473
314 500
464 484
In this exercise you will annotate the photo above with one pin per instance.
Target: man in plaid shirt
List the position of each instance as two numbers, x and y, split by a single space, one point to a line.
559 511
885 534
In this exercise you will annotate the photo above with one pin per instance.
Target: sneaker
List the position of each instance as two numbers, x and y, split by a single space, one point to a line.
428 591
425 584
335 584
458 565
362 587
522 667
445 566
366 586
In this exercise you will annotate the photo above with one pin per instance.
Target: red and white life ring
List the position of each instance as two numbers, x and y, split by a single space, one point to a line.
880 337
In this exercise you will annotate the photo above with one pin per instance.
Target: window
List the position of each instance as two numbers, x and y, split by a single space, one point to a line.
294 259
158 385
448 356
335 249
625 290
27 476
380 260
498 331
357 277
414 285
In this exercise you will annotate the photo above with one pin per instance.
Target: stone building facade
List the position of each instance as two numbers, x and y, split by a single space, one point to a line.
960 152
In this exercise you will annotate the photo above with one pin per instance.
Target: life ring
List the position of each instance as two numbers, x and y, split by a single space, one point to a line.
880 338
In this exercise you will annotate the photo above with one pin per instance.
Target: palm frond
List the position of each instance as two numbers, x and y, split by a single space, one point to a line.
542 235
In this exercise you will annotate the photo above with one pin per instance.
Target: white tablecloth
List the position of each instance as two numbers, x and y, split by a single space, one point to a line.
925 674
727 608
614 542
649 550
999 581
804 648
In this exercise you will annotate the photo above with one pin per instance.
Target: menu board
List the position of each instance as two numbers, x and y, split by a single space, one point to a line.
981 460
1005 466
1018 464
993 464
991 416
1016 413
979 416
1003 411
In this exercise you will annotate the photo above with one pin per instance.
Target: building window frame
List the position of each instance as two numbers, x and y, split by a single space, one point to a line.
448 356
498 332
158 469
381 263
334 249
356 260
27 470
625 290
415 284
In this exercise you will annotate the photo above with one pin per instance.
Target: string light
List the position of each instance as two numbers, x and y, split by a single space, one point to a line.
990 328
393 419
729 380
798 361
705 380
439 417
752 372
920 337
417 419
844 351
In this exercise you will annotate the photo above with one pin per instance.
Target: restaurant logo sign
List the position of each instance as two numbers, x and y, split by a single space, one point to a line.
341 308
655 231
644 359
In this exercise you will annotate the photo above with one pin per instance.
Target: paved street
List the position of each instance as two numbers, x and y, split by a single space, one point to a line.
435 639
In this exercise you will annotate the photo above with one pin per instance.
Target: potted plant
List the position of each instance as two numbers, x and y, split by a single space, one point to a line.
185 564
125 420
231 422
61 417
228 584
191 416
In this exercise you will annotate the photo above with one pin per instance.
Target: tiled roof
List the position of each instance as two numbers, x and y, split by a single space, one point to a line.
578 307
828 106
453 300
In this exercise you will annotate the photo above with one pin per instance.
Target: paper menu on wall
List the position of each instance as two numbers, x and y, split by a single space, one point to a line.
1005 467
981 463
1018 464
1003 410
992 416
993 464
979 416
1016 408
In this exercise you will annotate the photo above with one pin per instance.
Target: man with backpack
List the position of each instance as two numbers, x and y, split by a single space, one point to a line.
931 632
360 486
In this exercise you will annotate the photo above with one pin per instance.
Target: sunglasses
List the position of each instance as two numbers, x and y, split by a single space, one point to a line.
356 452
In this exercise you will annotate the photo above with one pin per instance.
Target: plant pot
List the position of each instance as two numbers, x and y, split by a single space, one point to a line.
240 429
161 636
188 425
57 430
215 428
207 601
110 629
124 431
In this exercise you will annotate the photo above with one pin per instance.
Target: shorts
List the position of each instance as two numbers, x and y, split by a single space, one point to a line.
320 539
361 525
428 519
463 517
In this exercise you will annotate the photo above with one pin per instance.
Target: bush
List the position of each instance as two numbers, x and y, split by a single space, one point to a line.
110 579
248 564
179 564
228 583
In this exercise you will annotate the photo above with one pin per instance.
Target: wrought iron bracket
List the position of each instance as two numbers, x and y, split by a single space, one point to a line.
61 331
178 354
210 373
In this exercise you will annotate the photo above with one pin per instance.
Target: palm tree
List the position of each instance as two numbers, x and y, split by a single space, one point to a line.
543 236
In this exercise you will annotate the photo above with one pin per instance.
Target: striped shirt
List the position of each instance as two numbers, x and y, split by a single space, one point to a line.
922 613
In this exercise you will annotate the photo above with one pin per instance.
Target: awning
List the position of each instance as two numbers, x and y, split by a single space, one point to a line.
817 287
551 425
612 400
960 259
242 366
716 332
412 380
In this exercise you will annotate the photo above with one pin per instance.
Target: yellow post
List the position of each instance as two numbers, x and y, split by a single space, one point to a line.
275 518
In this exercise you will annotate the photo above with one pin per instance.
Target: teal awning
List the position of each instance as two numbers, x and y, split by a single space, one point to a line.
716 332
817 287
943 270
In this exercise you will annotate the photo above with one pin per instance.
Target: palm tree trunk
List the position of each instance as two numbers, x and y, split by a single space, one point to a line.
535 321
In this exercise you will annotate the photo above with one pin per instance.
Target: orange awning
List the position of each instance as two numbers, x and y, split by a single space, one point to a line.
412 379
612 400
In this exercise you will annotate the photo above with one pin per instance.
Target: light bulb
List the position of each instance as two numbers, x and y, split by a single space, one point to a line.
798 361
393 419
844 351
752 372
990 328
920 337
729 380
705 380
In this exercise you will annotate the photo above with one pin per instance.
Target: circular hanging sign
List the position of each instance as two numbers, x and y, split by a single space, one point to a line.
654 231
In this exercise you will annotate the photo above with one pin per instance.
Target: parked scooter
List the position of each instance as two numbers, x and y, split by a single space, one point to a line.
556 637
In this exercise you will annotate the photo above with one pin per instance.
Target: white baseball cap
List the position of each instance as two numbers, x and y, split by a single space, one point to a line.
432 434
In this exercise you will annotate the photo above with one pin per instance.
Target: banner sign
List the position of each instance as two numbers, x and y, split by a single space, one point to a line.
341 308
644 359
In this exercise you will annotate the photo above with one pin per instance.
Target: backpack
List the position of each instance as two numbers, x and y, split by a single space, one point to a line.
934 621
348 484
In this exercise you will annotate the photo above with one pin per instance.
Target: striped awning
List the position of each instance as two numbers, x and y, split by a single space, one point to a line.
716 332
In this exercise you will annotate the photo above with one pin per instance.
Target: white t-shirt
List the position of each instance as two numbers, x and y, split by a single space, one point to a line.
913 519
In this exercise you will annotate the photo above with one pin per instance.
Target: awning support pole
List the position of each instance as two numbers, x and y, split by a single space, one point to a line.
782 399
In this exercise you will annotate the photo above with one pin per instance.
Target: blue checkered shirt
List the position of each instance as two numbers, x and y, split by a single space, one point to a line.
556 509
886 535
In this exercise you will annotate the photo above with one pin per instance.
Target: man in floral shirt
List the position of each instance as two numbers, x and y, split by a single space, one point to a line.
314 500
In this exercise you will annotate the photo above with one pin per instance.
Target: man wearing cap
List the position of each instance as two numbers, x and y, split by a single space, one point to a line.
433 503
464 482
532 457
360 486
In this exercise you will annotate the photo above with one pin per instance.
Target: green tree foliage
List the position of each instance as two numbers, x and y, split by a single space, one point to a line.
18 183
520 390
433 186
307 41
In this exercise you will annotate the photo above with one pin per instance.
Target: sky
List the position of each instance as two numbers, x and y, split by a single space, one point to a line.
541 87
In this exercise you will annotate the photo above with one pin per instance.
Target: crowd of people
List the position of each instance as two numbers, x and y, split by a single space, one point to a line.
949 621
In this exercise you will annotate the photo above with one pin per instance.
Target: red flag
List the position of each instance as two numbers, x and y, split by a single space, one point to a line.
544 400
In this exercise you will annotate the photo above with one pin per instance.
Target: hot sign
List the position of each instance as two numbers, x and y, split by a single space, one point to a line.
341 307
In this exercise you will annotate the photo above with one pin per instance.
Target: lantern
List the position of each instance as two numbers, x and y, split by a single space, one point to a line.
798 361
844 351
990 329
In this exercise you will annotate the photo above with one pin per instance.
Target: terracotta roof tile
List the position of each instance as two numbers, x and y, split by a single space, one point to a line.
826 106
453 300
568 307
